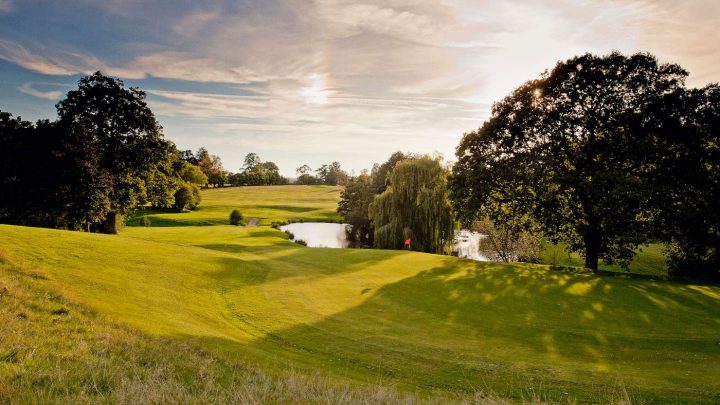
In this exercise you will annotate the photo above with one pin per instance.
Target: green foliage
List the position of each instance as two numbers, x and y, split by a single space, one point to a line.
331 175
236 217
211 166
290 235
103 158
257 173
277 224
380 173
503 243
84 195
161 187
359 193
687 183
127 135
187 197
193 174
353 208
144 221
415 207
300 242
573 151
50 177
307 180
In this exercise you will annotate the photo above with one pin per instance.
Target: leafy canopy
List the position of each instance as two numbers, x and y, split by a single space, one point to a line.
573 151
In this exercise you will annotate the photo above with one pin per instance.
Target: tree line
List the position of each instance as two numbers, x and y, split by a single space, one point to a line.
105 157
256 172
101 159
602 153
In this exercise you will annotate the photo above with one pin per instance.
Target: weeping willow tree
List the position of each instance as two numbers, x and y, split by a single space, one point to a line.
415 207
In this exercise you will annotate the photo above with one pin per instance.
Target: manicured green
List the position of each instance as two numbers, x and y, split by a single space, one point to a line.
422 323
270 203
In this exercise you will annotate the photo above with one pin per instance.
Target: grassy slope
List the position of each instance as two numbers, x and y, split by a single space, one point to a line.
54 351
422 322
275 203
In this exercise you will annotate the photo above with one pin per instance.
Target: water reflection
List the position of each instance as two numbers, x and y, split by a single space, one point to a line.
319 234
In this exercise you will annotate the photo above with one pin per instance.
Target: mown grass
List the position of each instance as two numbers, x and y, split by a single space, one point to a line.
424 324
270 203
55 351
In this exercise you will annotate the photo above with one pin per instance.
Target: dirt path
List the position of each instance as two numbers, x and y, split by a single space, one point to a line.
253 222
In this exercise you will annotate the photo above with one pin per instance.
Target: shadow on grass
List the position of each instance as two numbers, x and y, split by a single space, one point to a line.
505 327
268 263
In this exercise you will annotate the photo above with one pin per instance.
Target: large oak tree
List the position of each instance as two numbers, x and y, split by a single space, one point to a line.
574 151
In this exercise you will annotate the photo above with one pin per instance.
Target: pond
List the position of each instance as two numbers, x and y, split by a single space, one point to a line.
467 245
328 235
319 234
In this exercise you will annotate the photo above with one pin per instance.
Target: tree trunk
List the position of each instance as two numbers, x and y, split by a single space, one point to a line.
110 225
591 258
592 250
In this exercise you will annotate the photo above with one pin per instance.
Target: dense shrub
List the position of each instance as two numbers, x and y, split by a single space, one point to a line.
290 235
187 197
278 224
144 221
235 217
301 242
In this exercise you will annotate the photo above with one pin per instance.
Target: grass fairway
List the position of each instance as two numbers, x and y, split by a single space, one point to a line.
421 323
273 203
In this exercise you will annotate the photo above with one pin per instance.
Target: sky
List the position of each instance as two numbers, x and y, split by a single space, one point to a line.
310 82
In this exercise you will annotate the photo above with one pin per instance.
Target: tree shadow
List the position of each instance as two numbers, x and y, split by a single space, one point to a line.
507 327
259 264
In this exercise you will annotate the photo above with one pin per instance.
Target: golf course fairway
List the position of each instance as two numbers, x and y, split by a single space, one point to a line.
422 324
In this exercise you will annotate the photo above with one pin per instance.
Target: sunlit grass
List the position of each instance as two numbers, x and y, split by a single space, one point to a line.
274 203
418 322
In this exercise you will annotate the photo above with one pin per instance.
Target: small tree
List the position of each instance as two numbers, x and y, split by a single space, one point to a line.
503 242
192 174
187 197
235 217
353 209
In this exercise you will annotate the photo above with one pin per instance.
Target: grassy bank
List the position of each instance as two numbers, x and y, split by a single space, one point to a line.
55 351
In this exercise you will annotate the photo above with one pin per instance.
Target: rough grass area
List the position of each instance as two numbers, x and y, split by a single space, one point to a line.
424 324
270 203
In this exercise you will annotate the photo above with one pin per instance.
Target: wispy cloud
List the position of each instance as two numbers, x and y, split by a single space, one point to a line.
367 76
48 95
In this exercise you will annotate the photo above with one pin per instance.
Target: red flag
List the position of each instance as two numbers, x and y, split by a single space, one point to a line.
407 242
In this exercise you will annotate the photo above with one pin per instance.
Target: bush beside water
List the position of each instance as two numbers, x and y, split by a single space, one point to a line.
236 217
